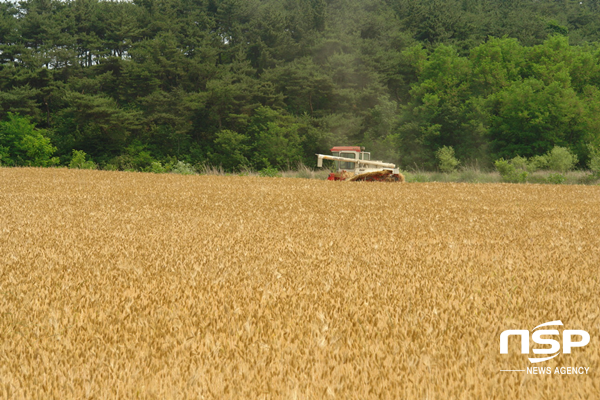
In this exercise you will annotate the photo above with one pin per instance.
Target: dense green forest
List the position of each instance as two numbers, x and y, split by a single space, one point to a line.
269 83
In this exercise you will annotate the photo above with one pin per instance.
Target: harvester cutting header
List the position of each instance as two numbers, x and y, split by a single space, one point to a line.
352 163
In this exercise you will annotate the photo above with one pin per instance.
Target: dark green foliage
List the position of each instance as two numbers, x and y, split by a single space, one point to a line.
266 84
232 150
594 162
277 142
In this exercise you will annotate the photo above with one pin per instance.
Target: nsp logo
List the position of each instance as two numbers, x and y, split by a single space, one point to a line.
567 340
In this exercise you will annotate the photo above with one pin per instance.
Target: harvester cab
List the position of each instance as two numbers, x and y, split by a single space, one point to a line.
352 163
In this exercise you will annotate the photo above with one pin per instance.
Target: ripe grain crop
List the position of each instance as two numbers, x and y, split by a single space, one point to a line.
129 285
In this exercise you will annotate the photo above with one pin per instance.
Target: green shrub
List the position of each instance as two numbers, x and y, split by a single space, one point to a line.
269 172
447 161
520 163
183 168
22 144
110 167
594 161
561 159
509 173
556 179
157 168
78 161
537 162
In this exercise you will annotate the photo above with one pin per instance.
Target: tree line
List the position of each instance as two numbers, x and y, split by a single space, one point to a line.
269 83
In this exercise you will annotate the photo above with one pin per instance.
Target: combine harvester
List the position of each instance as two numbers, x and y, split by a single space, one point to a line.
354 164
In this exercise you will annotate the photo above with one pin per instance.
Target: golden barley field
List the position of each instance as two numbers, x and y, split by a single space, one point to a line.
121 285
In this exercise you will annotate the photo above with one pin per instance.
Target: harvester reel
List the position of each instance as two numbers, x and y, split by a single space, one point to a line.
378 176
